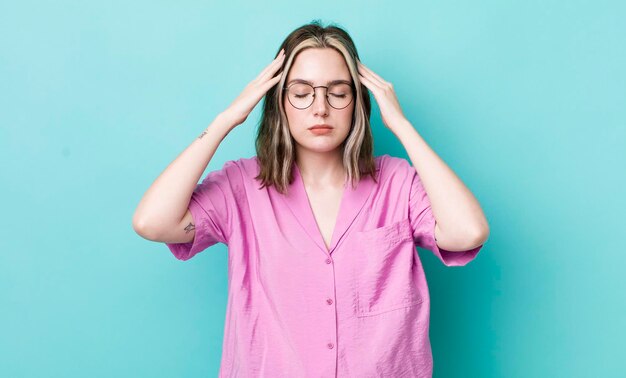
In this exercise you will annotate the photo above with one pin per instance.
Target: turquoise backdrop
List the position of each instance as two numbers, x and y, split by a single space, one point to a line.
524 100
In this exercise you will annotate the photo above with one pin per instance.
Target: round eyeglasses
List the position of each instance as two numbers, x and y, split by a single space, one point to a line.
301 95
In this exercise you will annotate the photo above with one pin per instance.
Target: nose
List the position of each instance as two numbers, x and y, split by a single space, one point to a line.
320 103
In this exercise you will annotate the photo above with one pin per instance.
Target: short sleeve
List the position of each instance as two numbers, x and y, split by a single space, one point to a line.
423 225
212 208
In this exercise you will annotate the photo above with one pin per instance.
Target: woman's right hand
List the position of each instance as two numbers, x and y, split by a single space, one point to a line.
239 109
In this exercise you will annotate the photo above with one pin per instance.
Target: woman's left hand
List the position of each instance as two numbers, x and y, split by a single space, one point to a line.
384 94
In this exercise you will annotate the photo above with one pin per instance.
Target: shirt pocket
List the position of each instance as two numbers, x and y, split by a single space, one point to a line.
384 267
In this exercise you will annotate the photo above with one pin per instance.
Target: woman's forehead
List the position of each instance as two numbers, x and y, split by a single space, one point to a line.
319 66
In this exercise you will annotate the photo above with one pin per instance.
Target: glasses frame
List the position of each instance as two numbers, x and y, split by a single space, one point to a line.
326 95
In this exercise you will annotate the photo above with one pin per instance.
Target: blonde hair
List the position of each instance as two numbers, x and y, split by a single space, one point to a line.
275 147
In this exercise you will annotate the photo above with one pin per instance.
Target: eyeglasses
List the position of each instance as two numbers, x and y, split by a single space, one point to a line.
301 95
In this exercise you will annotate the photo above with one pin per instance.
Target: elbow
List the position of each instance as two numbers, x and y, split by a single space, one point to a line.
481 235
142 228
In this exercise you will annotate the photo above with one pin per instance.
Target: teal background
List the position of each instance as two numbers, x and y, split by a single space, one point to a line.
524 100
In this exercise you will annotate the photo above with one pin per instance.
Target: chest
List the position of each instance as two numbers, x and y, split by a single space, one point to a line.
325 207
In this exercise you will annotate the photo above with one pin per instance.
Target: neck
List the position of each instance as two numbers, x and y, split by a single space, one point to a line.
321 169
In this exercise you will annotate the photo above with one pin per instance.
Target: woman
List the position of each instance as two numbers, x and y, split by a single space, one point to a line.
324 279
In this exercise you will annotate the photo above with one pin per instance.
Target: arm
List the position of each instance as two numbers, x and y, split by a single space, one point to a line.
162 214
460 222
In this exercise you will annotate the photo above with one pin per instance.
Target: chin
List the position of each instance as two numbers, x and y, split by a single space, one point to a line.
321 147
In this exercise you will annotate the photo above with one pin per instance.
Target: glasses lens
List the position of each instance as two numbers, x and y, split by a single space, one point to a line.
301 95
339 95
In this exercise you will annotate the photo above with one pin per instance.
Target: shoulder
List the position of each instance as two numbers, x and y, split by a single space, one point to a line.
230 176
237 168
237 174
393 167
248 165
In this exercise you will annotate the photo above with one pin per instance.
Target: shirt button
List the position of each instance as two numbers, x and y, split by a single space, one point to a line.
329 301
330 345
328 261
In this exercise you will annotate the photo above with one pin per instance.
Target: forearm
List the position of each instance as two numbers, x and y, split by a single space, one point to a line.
165 202
454 207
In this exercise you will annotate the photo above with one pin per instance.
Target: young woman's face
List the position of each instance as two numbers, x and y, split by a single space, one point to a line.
319 67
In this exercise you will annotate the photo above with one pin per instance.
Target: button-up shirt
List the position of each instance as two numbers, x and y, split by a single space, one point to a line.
299 309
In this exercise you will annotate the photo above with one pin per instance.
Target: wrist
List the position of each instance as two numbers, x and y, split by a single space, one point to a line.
224 121
227 118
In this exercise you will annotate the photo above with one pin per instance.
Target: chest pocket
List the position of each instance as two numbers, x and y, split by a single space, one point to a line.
384 266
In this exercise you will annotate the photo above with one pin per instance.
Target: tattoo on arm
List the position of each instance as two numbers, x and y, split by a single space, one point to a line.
203 134
190 227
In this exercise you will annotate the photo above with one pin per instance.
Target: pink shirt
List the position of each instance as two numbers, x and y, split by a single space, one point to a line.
298 309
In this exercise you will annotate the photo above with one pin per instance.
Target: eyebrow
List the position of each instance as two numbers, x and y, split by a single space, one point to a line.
311 84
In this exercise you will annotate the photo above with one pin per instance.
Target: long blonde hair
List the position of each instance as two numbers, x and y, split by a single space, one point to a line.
275 147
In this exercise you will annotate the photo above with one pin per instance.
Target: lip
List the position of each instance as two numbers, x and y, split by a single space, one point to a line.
321 126
321 130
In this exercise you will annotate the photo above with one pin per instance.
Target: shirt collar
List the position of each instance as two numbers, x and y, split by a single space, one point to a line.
352 202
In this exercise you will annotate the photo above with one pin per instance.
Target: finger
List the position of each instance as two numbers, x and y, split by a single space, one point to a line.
361 66
373 77
272 66
270 83
277 62
261 79
370 82
367 82
366 69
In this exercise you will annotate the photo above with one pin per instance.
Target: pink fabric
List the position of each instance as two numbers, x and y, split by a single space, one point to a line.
298 309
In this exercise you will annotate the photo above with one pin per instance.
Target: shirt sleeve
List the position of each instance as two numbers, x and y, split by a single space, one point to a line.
423 225
212 208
